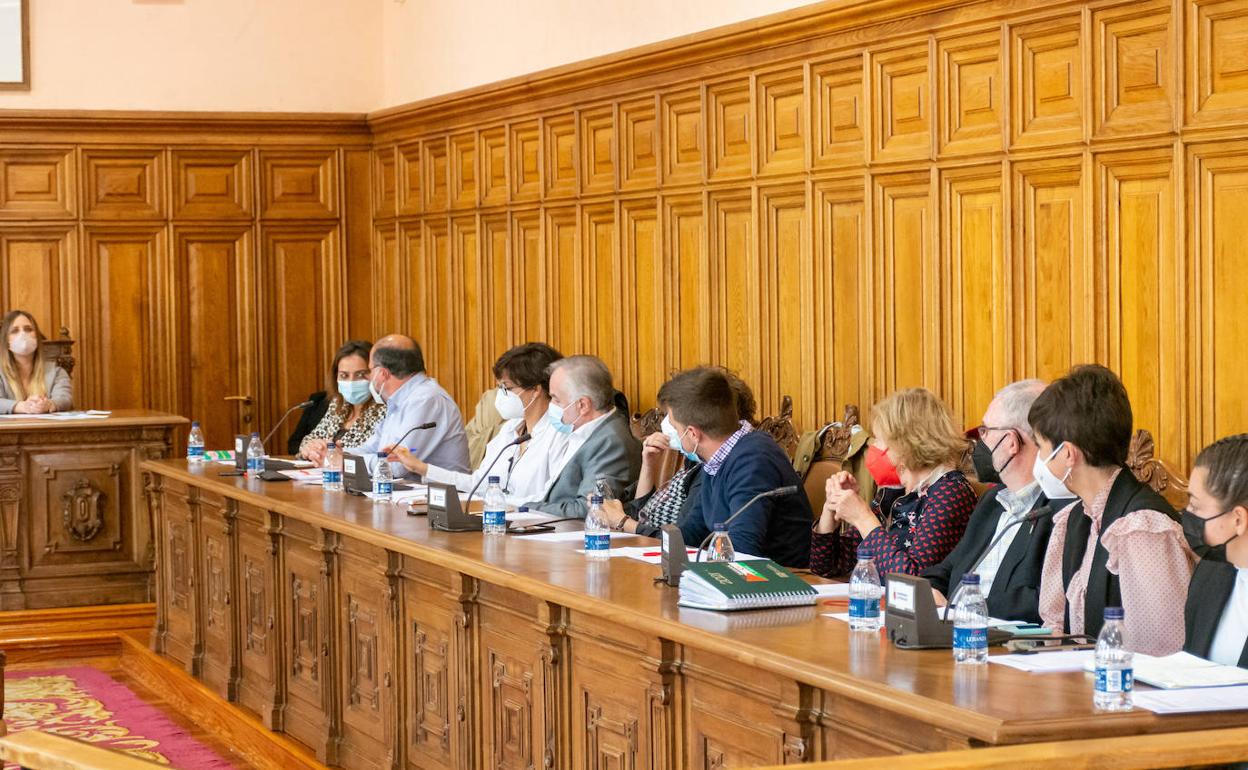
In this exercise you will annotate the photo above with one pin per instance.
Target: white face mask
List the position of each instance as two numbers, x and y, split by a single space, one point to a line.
23 344
509 405
377 395
1053 487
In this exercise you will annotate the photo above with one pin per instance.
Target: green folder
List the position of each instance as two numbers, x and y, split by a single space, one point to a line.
742 585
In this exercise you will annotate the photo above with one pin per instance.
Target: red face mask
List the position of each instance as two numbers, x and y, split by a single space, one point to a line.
881 467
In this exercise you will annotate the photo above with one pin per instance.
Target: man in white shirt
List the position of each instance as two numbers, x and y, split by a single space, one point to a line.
412 398
599 443
1009 571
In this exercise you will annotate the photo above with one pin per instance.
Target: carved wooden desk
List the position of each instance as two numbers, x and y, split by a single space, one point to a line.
75 522
379 643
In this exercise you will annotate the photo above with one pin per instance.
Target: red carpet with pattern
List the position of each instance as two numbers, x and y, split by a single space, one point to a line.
88 704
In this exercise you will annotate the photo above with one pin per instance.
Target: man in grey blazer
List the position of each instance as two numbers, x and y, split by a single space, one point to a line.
599 445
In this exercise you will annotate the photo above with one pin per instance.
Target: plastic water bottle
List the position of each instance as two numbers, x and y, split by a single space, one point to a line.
864 595
1115 676
331 468
970 623
597 536
255 456
383 482
720 547
494 514
195 445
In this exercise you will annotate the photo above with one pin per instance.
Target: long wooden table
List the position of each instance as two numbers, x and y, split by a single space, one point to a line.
379 643
75 522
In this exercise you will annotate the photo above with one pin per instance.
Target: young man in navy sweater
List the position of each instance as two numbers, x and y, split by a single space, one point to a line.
738 463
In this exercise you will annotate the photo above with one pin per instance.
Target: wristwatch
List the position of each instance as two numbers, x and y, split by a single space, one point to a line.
620 526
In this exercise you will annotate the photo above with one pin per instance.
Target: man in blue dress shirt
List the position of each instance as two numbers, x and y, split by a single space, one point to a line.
413 398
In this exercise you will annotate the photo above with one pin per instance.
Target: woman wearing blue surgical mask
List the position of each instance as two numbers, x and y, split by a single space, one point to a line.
1115 542
1215 524
522 399
352 415
655 505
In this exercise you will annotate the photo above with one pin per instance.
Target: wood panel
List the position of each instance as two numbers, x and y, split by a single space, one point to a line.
38 184
297 184
212 185
123 184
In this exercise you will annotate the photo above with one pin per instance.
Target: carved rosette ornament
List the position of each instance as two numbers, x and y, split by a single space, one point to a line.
82 511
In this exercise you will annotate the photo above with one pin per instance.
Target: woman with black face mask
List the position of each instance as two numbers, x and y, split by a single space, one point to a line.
1216 615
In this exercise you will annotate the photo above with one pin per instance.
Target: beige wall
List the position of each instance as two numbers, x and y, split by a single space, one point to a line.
287 55
434 47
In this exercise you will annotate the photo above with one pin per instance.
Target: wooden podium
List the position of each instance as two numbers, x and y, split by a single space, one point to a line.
75 524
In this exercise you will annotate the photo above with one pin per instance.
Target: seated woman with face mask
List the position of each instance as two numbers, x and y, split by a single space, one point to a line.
352 416
1216 616
922 503
1115 543
652 508
522 400
31 383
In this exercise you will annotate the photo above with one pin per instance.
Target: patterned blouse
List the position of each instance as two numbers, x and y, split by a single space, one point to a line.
1148 553
331 425
920 529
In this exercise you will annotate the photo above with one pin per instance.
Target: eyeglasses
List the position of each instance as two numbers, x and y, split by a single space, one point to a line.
502 388
983 430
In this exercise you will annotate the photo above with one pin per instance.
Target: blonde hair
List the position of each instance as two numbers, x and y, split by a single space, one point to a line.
8 362
919 429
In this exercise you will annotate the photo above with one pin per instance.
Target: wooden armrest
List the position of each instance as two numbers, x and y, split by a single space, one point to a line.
45 751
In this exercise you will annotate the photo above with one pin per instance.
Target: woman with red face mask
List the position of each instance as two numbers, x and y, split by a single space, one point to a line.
922 503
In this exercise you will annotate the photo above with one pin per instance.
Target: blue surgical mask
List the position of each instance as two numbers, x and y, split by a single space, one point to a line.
554 413
354 391
676 441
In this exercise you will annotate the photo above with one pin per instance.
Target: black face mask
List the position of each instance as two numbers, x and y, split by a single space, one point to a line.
1194 531
981 458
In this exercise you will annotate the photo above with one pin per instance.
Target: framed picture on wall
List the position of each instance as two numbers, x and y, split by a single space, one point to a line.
14 45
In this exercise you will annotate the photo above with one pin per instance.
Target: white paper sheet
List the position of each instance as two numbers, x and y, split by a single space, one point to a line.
1182 670
1046 662
1193 700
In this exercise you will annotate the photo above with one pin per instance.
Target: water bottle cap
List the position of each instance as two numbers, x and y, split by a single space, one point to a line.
331 445
381 455
195 424
492 480
864 553
1113 613
595 500
523 509
720 527
255 434
970 579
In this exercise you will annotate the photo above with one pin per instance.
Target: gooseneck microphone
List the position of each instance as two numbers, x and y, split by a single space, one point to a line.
1032 515
519 440
413 429
777 492
300 405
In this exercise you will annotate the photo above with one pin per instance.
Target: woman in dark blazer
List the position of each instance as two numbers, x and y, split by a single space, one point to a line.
1216 614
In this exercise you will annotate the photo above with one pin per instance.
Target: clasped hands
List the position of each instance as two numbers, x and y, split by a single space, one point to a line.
35 405
844 505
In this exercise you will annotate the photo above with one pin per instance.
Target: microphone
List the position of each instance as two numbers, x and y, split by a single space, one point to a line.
413 429
301 405
1032 515
777 492
519 440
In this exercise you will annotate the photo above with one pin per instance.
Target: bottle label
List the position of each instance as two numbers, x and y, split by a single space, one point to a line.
970 638
255 464
331 477
383 488
494 518
597 542
1114 680
863 608
194 452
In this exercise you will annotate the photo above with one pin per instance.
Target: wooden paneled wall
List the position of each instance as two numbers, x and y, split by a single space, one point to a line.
849 199
192 257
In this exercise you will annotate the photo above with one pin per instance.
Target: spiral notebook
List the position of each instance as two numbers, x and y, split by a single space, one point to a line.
742 585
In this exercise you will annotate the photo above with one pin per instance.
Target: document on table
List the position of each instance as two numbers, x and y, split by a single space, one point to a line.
575 536
1046 662
303 476
1193 699
1184 670
89 414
